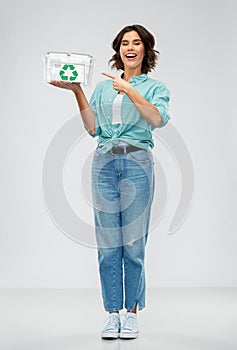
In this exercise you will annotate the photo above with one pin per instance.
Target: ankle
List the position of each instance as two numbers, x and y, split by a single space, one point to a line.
133 314
134 310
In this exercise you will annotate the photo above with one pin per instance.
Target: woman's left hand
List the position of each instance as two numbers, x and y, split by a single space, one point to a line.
119 84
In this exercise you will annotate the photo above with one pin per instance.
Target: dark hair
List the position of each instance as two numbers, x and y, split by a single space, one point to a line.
150 56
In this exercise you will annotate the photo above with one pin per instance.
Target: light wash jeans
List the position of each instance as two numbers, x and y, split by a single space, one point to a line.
122 189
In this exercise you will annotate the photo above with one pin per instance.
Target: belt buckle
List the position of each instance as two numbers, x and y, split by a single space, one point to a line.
111 151
119 148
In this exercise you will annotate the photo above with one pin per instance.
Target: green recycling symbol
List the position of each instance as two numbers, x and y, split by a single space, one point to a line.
68 68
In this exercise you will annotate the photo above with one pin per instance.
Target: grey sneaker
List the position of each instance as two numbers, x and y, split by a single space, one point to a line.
129 328
111 327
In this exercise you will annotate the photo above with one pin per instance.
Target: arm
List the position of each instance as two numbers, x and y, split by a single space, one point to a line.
147 109
87 114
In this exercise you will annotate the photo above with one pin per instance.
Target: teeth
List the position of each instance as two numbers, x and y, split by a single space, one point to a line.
130 55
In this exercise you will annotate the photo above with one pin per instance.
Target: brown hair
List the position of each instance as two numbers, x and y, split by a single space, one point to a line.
150 56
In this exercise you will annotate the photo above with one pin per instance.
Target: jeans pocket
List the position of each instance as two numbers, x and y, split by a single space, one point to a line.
142 156
98 151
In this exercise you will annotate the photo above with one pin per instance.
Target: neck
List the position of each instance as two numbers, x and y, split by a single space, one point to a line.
128 74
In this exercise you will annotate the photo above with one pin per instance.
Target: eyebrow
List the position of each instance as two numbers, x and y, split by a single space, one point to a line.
126 41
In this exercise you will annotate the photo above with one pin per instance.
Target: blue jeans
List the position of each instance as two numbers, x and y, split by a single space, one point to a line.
122 189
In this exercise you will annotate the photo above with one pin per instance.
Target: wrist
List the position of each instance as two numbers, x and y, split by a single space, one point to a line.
128 88
77 89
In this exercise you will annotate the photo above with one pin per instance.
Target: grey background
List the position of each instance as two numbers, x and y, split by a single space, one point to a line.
197 41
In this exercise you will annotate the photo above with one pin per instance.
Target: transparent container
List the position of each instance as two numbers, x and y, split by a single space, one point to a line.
71 67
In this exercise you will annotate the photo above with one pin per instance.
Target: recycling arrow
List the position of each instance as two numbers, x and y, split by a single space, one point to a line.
68 72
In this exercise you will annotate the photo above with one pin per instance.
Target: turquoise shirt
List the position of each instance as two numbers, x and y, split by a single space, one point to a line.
134 129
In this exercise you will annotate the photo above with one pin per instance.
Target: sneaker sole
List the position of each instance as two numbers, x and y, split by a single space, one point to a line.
109 335
128 335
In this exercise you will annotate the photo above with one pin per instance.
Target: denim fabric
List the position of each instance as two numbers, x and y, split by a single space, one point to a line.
122 189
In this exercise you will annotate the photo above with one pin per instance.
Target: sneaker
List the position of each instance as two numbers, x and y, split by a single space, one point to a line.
129 328
112 327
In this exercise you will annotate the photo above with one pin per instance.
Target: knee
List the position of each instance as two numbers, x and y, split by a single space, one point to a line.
135 251
107 256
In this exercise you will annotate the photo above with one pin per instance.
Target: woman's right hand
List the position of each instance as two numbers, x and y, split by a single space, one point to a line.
66 85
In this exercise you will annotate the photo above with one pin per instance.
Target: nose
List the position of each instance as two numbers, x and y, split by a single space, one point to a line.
130 46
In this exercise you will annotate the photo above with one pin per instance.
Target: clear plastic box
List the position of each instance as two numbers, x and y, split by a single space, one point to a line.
71 67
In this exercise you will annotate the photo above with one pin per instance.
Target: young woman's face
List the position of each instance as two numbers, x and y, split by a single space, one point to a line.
132 50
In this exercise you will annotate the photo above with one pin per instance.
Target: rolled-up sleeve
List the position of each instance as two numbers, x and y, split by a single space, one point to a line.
161 99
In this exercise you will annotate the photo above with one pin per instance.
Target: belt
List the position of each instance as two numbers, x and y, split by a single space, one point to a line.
124 149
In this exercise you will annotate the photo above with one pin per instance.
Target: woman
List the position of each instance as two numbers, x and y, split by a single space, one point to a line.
123 111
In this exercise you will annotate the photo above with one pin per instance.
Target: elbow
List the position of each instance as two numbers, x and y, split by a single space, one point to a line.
161 120
156 118
157 122
92 132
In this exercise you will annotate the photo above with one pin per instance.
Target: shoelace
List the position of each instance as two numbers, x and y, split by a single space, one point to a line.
111 323
128 324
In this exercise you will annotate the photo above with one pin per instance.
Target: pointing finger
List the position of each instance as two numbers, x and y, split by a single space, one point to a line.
109 75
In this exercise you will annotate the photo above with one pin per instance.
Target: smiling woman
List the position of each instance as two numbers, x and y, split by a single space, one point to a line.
142 37
123 172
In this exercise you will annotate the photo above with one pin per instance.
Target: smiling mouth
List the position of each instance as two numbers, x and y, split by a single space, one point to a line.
130 55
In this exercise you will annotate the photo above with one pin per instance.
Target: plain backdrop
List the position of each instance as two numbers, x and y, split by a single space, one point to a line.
197 42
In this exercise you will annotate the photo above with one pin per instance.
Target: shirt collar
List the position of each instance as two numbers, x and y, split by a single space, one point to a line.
137 79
